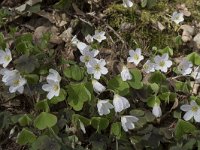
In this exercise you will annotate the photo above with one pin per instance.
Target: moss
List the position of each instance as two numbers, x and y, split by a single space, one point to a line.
144 22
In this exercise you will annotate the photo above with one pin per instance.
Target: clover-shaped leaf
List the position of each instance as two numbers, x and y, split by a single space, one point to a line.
45 120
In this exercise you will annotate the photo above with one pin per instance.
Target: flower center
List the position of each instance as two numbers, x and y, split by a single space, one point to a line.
135 56
162 64
99 37
7 58
177 17
55 87
146 67
194 108
16 82
97 67
87 58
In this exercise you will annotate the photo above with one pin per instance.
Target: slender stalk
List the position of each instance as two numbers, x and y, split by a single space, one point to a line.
117 145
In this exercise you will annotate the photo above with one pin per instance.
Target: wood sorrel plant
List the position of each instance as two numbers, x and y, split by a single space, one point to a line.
82 105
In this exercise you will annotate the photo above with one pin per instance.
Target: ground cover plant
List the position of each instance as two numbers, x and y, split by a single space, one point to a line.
99 75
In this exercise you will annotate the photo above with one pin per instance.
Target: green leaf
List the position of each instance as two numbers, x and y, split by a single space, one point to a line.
190 144
84 120
25 137
35 8
32 78
194 58
157 77
42 105
74 72
137 112
24 44
143 3
99 123
45 143
136 82
177 114
25 37
5 119
182 86
2 42
149 116
151 3
167 96
78 94
166 50
26 63
152 100
118 85
45 120
61 97
63 4
25 120
116 129
77 73
178 40
183 127
155 87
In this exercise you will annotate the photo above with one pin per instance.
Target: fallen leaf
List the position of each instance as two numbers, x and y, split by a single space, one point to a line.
196 39
183 9
21 8
188 32
195 88
30 3
39 31
66 35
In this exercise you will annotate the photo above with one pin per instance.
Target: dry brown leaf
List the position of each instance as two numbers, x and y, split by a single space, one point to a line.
39 31
55 18
183 9
195 88
188 32
196 39
66 35
22 7
175 105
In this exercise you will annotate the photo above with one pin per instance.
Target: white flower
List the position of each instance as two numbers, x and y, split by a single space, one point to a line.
5 57
127 3
89 38
99 36
196 74
96 67
82 46
125 74
88 55
148 67
192 110
98 87
17 85
156 111
8 74
135 56
13 79
185 67
104 107
53 75
82 126
53 84
75 40
120 103
128 122
177 17
162 62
